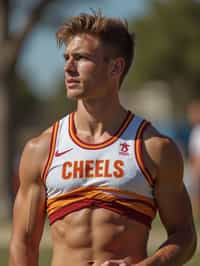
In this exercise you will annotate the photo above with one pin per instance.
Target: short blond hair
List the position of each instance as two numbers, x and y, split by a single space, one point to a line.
111 31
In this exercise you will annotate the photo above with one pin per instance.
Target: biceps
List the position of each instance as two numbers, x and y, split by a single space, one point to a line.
29 214
174 207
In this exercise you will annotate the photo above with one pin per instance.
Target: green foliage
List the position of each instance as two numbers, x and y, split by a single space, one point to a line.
167 45
25 101
58 105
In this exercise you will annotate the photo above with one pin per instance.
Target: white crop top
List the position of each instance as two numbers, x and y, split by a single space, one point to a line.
109 175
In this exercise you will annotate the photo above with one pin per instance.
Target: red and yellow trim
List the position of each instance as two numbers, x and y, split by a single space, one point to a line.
138 152
51 150
80 143
112 206
99 192
135 206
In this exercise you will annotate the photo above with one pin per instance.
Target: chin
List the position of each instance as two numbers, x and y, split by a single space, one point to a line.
74 96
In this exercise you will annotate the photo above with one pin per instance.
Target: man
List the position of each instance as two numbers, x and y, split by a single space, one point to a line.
100 172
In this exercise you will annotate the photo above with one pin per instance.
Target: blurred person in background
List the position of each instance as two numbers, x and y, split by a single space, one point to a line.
101 173
194 154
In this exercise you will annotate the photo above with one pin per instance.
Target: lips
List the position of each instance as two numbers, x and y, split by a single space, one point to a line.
71 82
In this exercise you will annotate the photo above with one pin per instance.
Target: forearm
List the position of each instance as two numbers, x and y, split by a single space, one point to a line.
22 254
176 251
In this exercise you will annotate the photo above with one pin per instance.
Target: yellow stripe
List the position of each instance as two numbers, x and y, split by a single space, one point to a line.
51 150
84 190
127 193
147 206
138 206
138 153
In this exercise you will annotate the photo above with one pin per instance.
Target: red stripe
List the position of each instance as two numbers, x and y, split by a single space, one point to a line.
112 206
80 143
138 153
51 150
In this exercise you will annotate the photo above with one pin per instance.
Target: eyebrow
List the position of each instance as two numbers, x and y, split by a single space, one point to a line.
80 52
89 55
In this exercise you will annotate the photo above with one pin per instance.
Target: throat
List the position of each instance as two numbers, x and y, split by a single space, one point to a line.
94 137
92 130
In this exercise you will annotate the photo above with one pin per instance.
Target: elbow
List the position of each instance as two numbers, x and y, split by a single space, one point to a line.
21 253
190 243
193 243
15 254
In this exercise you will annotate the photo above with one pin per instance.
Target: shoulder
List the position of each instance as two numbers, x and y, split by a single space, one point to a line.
164 155
40 144
35 154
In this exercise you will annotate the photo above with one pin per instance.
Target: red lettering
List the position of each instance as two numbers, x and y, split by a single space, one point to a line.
66 174
99 168
78 169
92 169
89 168
119 171
106 169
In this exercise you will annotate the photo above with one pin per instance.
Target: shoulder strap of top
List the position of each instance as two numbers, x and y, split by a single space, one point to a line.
51 150
138 152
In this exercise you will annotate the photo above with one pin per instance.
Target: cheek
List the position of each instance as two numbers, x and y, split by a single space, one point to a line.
92 74
87 68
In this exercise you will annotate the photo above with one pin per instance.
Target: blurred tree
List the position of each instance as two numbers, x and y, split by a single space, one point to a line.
56 106
61 103
168 41
17 21
11 44
25 102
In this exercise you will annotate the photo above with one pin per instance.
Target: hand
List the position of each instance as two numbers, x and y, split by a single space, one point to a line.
116 263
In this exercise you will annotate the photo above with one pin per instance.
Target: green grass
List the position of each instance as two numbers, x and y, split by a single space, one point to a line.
157 236
158 232
45 258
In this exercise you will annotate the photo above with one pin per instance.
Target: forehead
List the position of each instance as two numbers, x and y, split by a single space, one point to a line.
84 43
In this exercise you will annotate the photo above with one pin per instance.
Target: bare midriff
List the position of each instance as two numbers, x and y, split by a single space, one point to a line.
93 235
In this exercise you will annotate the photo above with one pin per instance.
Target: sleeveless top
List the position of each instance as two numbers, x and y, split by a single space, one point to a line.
109 175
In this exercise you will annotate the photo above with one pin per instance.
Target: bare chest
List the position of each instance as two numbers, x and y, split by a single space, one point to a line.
99 231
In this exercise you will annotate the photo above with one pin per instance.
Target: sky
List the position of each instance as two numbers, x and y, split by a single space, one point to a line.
42 61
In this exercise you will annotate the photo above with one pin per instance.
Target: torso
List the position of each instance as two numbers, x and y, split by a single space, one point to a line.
95 235
103 212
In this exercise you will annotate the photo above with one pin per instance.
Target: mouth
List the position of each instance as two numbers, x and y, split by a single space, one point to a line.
70 83
91 262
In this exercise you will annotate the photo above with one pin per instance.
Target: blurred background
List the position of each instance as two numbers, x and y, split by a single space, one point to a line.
163 85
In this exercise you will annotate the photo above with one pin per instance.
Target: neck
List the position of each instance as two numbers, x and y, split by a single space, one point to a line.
95 117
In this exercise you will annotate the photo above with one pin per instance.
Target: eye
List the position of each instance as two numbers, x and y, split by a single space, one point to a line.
66 57
78 57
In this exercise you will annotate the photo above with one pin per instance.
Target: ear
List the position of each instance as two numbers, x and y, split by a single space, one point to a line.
117 67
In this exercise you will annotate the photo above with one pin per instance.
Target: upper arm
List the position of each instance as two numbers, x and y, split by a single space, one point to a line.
170 193
29 206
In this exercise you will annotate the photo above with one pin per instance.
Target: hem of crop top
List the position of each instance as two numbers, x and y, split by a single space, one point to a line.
112 206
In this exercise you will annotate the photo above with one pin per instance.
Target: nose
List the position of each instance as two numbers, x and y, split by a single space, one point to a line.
70 65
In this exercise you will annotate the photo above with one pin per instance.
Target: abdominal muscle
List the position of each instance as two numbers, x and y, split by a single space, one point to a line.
93 235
